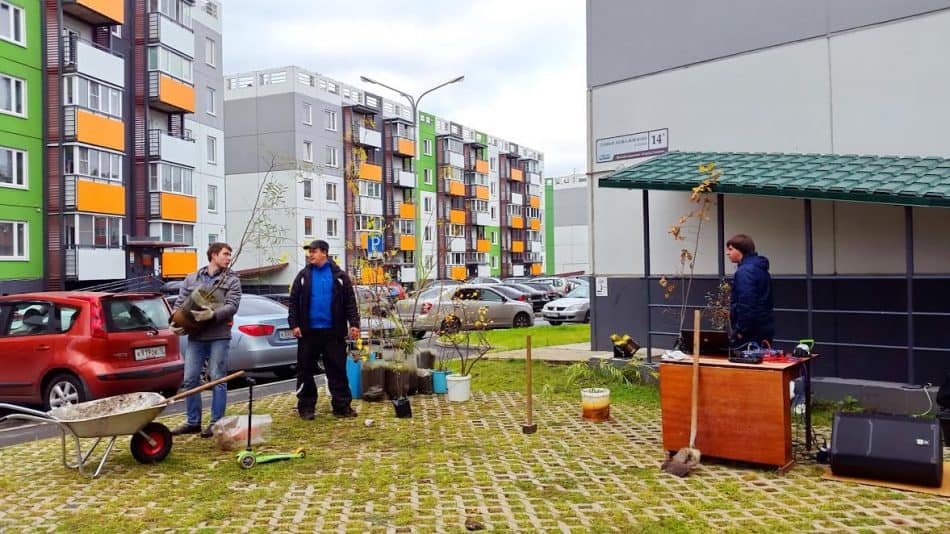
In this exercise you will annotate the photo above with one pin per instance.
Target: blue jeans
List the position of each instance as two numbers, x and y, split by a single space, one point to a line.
215 353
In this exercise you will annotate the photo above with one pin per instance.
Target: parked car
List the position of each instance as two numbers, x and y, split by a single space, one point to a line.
549 291
573 308
536 297
457 308
66 347
561 285
484 280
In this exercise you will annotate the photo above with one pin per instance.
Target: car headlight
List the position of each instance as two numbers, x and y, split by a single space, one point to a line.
575 307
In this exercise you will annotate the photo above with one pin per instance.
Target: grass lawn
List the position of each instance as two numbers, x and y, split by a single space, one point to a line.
541 336
449 463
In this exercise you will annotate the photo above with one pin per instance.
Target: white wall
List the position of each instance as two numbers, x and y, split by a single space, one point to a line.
570 249
209 174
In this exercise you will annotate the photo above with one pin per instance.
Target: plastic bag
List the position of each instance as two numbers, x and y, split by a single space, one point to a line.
230 432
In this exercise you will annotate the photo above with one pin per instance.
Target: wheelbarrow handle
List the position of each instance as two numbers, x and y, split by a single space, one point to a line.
203 387
22 410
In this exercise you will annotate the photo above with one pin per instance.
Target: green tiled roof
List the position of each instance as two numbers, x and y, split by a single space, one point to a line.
887 180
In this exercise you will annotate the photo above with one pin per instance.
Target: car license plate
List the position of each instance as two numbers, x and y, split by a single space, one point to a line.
148 353
285 333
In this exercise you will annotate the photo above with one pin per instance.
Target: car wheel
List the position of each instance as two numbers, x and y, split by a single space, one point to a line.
450 326
419 334
554 323
63 389
522 320
148 453
285 373
587 317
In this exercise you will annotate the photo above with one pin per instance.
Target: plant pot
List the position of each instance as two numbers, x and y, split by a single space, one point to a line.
460 387
397 382
403 408
373 382
201 297
424 377
595 404
439 384
425 360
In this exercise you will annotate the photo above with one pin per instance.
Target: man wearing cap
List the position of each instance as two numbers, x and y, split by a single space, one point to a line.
322 303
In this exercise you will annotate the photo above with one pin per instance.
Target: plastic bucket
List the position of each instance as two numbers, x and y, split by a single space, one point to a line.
595 404
439 384
353 369
460 387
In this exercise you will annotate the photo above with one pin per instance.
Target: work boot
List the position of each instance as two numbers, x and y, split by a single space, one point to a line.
346 413
207 432
186 428
306 415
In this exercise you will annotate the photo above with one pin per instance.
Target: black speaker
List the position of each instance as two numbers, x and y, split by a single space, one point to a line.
887 447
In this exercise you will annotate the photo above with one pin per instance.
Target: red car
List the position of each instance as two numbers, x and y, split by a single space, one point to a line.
66 347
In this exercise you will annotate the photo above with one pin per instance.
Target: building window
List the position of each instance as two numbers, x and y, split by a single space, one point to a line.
308 226
13 168
308 151
209 105
12 24
13 239
168 178
12 95
494 238
212 150
212 238
171 63
307 114
331 157
94 231
427 204
209 51
92 95
330 119
427 176
331 191
494 164
308 189
331 227
93 163
212 198
370 189
426 147
179 233
117 31
427 234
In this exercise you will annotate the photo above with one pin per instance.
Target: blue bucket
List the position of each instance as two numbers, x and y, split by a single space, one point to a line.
439 383
353 376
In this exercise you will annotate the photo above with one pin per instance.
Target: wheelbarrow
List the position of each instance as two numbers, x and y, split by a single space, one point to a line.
119 415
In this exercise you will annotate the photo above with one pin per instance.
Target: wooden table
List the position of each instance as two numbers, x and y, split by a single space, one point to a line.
744 409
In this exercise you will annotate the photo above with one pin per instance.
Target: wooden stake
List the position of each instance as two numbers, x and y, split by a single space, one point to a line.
529 427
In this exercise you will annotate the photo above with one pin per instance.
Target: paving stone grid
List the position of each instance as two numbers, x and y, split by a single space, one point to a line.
451 462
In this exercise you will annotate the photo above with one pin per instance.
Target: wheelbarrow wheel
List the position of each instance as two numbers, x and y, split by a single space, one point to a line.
147 453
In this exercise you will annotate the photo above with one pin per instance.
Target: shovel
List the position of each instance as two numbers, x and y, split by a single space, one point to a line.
687 458
201 388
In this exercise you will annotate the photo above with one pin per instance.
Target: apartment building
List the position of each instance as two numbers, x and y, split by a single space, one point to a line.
21 146
400 204
567 213
122 178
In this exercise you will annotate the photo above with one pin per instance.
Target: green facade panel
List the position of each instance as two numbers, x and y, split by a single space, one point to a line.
24 203
494 250
549 226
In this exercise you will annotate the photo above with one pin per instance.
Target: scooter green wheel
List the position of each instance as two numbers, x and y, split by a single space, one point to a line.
248 461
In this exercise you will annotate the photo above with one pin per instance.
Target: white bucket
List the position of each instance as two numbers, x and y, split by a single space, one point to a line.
460 387
595 404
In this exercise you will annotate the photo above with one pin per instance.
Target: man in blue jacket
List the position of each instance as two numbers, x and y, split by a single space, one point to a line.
322 302
750 312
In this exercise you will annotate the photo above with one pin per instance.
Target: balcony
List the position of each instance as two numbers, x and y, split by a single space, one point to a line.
402 178
97 12
173 207
456 244
458 272
481 166
169 94
516 175
92 128
93 197
457 216
370 171
407 242
455 188
482 245
517 199
407 274
164 147
534 178
534 224
534 201
476 258
480 218
407 211
178 263
165 31
517 246
95 263
92 60
477 191
367 137
536 269
370 206
516 221
404 147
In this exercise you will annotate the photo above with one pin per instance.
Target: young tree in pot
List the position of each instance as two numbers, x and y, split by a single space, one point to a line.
469 346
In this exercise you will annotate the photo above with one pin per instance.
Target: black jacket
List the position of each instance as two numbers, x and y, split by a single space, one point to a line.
751 307
342 306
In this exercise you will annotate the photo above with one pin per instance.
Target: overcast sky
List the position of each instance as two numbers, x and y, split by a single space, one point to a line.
523 60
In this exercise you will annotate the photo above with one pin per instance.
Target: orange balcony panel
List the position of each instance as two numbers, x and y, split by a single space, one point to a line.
177 94
364 241
456 188
405 147
459 272
372 275
535 269
456 216
370 171
113 10
177 264
535 201
407 242
481 192
100 198
535 224
517 246
99 130
407 211
482 245
179 207
517 222
481 166
517 175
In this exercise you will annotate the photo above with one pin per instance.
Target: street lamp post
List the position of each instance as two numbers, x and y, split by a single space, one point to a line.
414 104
